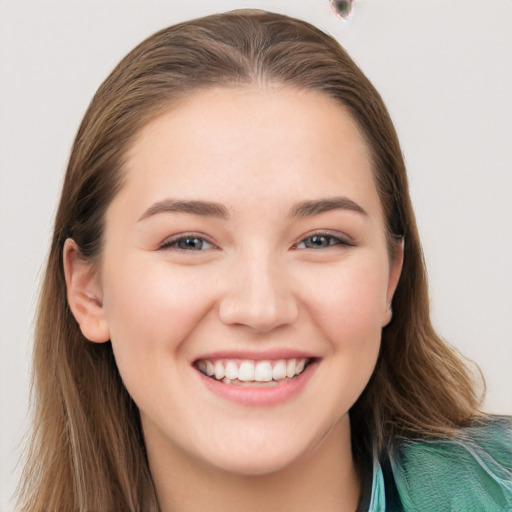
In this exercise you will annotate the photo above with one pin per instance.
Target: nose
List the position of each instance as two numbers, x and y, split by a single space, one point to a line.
258 295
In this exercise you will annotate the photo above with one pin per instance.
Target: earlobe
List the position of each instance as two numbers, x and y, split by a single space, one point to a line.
394 276
84 294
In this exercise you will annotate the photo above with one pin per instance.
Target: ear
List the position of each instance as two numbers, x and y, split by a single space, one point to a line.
394 276
84 294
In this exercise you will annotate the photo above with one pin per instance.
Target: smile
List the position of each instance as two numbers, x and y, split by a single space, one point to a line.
244 372
256 381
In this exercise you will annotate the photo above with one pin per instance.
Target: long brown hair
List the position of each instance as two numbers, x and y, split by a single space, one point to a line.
87 449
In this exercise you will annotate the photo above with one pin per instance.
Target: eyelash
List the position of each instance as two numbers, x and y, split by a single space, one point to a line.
172 243
332 240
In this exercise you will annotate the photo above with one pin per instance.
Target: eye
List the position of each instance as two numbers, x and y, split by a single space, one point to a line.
321 241
187 243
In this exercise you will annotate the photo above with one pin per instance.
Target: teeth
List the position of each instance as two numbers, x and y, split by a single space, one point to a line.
279 370
219 370
290 368
248 371
231 370
263 372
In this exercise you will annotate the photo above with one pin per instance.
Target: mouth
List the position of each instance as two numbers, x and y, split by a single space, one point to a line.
251 373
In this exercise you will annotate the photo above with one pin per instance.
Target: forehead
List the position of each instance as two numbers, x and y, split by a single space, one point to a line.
220 141
295 112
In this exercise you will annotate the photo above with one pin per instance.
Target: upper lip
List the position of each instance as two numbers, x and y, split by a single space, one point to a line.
262 355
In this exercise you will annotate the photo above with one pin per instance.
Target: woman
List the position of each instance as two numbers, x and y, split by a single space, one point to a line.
235 309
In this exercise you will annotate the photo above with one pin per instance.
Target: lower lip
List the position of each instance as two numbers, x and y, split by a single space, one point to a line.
260 395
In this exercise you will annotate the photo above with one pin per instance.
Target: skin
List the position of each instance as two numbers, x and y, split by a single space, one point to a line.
254 284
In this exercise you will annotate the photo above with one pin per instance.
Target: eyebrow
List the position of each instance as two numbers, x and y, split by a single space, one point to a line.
203 208
211 209
318 206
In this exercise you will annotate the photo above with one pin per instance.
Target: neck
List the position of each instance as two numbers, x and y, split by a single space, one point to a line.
324 479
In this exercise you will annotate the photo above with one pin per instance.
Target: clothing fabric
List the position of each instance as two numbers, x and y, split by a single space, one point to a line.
469 473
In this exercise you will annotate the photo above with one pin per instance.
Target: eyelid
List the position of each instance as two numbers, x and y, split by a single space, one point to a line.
343 239
169 242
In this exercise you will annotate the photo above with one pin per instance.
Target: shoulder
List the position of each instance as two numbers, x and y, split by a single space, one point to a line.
471 472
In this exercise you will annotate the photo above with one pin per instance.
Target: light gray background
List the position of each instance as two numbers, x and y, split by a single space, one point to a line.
444 70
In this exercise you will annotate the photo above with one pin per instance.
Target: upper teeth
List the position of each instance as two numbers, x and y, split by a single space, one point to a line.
251 371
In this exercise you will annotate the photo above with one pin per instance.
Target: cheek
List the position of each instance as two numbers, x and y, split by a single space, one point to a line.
150 308
352 325
351 304
346 303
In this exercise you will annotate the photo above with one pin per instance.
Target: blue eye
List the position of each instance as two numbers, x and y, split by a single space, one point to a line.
320 241
187 243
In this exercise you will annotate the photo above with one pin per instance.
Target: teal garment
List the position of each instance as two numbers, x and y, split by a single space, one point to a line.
469 473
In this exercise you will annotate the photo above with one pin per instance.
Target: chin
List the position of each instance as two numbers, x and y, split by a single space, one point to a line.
256 466
263 456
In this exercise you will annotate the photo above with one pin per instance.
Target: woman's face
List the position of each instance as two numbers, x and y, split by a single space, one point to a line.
248 241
